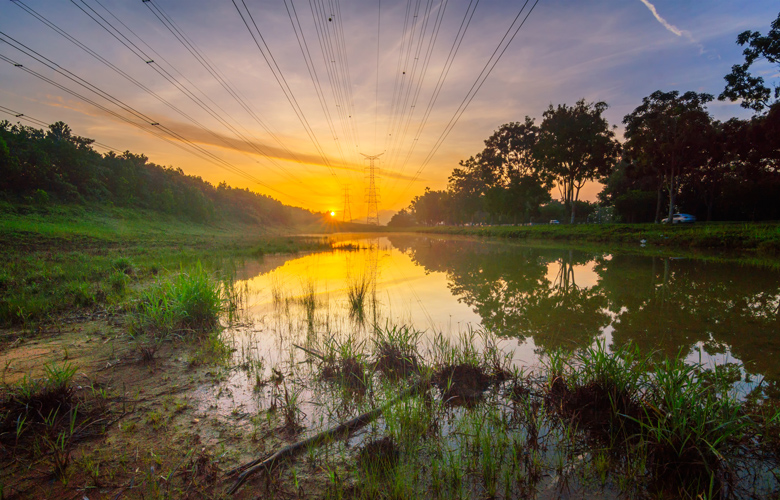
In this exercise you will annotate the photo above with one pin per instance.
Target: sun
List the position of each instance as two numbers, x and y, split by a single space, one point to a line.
333 214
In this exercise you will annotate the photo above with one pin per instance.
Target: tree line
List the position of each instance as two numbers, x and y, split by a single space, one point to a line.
56 166
674 158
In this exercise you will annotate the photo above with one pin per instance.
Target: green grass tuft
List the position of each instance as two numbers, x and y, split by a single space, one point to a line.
190 303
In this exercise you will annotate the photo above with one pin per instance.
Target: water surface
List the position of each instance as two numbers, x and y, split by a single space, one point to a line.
534 298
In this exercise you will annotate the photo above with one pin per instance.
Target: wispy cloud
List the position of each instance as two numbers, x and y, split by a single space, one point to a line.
671 27
666 24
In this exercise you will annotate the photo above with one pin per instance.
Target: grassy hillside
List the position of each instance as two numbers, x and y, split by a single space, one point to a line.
68 258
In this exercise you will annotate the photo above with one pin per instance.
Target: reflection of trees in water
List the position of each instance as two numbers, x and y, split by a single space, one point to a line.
566 315
670 305
660 304
508 287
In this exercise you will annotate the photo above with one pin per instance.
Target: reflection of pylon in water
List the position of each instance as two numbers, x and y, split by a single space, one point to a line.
346 214
372 270
372 196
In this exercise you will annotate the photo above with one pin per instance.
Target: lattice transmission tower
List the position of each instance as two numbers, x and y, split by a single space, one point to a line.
372 194
346 214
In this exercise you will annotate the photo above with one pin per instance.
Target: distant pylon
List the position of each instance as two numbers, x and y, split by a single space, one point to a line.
372 196
346 214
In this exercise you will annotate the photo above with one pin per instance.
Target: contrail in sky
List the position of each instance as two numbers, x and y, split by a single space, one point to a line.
674 29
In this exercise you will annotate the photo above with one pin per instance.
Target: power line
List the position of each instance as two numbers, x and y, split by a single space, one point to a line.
481 78
280 79
456 43
378 40
198 151
334 70
144 56
298 29
423 73
188 44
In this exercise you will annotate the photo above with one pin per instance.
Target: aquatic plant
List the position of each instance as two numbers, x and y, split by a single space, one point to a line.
687 427
395 350
358 289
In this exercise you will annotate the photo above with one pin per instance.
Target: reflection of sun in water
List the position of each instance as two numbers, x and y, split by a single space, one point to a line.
333 214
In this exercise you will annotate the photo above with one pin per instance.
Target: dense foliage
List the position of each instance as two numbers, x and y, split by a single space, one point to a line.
511 179
54 165
750 90
675 158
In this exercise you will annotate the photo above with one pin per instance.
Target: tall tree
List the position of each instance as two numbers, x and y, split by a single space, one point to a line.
576 145
740 84
430 208
510 150
468 186
668 135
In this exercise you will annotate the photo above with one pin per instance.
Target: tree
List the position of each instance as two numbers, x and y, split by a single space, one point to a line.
510 150
401 219
468 185
512 146
575 145
631 192
740 84
430 208
668 135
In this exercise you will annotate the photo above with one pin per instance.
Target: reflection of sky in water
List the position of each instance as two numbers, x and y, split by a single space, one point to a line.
406 293
563 297
448 286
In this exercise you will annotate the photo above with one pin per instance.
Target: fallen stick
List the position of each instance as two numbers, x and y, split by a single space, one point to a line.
328 435
311 351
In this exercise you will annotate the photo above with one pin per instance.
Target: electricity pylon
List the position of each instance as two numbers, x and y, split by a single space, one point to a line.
346 214
372 196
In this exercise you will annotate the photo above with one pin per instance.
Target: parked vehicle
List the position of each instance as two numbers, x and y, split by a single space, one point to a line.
681 219
554 222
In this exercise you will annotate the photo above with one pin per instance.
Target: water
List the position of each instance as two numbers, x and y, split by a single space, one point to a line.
534 298
525 300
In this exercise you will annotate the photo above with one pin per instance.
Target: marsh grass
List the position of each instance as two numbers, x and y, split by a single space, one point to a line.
688 427
190 303
344 361
358 289
682 419
591 422
40 418
308 300
396 350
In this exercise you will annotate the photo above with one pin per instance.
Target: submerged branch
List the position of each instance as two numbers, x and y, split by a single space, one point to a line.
326 436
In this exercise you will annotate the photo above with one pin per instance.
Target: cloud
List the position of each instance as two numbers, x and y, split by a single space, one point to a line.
672 28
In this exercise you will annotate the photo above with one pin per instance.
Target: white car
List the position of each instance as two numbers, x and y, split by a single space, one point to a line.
681 219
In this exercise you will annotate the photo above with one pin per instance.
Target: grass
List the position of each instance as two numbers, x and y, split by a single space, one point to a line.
758 238
689 427
683 419
590 421
358 290
62 260
41 417
594 422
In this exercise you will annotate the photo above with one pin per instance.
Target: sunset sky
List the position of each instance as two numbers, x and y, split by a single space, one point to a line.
283 96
